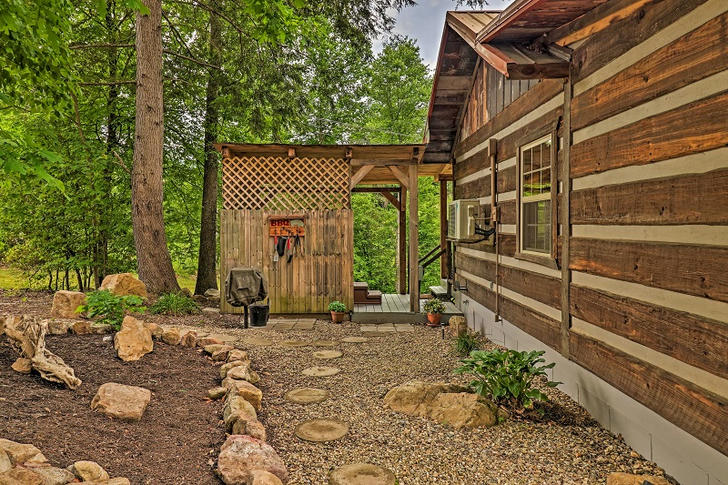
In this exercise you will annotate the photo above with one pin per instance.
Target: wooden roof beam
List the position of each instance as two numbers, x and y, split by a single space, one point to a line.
518 63
360 174
399 175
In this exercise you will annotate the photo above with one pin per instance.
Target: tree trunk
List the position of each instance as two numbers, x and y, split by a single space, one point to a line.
153 260
206 274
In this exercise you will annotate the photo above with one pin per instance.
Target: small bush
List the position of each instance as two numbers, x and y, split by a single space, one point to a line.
433 305
175 304
110 307
466 343
337 306
506 376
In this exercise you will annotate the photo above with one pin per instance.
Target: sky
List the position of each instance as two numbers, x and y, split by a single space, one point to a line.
424 22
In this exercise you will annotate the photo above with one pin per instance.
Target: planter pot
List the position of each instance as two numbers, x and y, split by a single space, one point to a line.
433 319
337 317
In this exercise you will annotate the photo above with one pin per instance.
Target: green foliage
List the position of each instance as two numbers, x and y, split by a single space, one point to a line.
110 307
506 376
174 304
466 343
434 305
337 306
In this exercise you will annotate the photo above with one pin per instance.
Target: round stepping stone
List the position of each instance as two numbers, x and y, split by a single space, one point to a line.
295 343
327 354
361 474
321 430
325 343
258 341
306 395
355 340
321 371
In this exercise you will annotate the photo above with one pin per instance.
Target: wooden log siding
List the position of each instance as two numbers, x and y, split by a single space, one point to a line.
660 137
697 341
687 199
695 270
699 54
699 412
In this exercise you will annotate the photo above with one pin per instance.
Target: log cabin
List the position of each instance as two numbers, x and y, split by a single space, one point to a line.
593 136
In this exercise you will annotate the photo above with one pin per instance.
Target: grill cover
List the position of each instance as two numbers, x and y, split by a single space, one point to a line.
244 286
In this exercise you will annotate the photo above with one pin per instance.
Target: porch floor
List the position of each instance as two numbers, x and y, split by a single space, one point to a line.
395 309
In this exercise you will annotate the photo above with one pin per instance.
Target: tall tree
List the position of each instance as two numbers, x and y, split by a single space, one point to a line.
153 260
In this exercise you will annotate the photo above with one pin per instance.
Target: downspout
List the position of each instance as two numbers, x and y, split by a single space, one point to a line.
492 148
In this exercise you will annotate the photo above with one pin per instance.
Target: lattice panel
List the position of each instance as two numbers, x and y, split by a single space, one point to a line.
286 184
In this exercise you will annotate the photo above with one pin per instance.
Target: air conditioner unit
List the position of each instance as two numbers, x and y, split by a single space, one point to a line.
461 218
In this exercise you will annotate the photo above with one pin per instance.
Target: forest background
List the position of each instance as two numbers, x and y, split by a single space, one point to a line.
273 72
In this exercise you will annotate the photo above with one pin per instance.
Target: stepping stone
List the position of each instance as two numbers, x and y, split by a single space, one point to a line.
355 340
258 341
306 395
320 371
361 474
327 354
325 343
295 343
320 430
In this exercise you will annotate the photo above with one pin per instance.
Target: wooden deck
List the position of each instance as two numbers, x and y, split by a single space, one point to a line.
395 309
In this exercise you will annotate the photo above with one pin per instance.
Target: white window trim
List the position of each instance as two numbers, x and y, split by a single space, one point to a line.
532 198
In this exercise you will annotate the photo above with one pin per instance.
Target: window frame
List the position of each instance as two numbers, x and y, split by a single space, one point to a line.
550 258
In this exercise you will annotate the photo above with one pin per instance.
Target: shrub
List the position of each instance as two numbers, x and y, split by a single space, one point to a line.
506 376
337 306
110 307
466 343
433 305
174 304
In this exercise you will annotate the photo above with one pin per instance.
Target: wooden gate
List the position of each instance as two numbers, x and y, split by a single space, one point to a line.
314 190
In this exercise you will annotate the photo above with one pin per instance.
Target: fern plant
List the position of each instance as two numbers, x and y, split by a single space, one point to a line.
506 376
110 307
175 304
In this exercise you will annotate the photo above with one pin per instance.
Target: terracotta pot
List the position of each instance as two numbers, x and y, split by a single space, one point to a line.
337 317
434 319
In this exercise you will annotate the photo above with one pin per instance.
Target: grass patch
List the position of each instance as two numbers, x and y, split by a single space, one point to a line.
174 304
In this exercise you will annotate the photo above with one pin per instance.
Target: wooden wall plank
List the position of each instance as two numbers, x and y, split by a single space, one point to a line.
699 412
694 340
688 199
660 137
695 56
471 164
694 270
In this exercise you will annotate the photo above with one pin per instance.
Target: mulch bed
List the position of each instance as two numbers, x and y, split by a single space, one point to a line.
172 443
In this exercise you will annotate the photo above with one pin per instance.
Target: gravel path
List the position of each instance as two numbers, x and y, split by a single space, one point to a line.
567 447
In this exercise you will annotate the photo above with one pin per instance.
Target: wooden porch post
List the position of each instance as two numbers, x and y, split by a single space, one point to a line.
444 260
402 242
414 276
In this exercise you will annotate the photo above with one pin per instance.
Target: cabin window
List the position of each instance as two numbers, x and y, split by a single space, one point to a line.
535 195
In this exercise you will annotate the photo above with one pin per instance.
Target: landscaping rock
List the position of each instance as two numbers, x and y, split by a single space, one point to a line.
189 339
22 365
237 408
84 327
242 455
53 476
219 356
123 284
88 471
415 397
327 354
237 354
211 312
262 477
251 427
618 478
121 401
213 348
19 453
225 368
243 372
463 409
244 389
20 476
306 395
212 293
65 303
205 341
320 430
361 474
458 326
320 371
133 341
216 392
117 481
58 327
171 336
155 330
5 463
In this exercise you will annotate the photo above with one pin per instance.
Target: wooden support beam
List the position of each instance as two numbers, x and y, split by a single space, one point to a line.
414 276
360 174
366 189
291 152
402 242
515 62
564 219
444 258
391 198
400 175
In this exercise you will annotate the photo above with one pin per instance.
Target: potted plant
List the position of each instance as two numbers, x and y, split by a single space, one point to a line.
338 311
434 309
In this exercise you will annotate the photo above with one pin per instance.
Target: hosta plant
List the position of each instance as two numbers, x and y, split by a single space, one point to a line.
110 307
507 376
466 343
